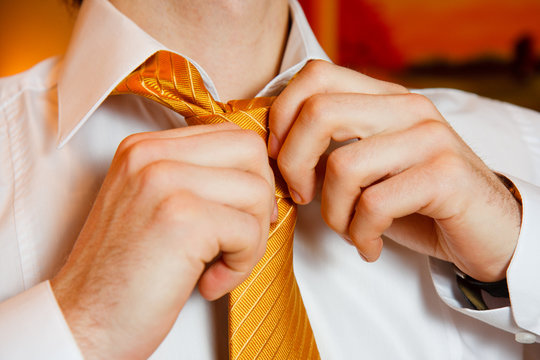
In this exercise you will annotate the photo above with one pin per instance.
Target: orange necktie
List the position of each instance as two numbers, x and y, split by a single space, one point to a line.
267 318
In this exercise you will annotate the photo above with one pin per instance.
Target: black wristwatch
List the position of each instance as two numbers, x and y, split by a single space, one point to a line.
472 289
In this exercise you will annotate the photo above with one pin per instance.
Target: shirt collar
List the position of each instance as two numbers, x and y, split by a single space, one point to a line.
106 46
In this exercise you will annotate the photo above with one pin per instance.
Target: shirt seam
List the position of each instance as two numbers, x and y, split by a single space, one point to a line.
10 99
14 189
26 83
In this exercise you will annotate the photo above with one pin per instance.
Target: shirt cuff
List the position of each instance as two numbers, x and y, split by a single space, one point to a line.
32 326
523 316
523 274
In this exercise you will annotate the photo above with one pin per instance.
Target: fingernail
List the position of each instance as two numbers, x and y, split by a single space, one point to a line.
364 257
296 198
275 213
347 239
273 146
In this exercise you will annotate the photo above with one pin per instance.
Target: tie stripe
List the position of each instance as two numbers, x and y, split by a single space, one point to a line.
267 318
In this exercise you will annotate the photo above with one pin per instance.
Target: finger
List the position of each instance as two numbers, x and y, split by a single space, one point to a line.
213 229
318 77
175 133
406 193
417 232
238 189
239 149
360 164
343 117
239 254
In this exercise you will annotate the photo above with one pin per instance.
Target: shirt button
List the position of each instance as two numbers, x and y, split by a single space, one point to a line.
525 338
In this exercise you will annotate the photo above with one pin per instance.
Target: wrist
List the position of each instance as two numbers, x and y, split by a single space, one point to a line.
473 289
82 327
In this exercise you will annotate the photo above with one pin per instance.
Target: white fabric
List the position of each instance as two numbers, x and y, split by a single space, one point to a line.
387 310
58 344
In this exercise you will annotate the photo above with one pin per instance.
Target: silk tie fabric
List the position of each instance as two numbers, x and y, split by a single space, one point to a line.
267 318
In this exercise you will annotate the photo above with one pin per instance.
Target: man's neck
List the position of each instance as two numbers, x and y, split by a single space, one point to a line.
239 43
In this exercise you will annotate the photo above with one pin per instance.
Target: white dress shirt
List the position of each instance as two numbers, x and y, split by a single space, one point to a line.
59 131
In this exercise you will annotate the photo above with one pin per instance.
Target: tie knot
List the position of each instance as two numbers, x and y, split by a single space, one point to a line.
267 316
173 81
249 114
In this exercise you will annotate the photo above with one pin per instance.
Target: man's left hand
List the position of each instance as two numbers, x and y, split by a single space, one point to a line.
409 175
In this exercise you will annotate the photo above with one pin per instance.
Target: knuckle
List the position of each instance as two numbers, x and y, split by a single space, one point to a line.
371 201
453 162
422 105
181 207
251 244
340 163
399 89
152 176
438 132
129 141
260 192
135 154
453 168
286 163
252 228
278 111
254 143
314 109
316 70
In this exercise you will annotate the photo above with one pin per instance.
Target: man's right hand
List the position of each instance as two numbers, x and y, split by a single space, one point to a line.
171 203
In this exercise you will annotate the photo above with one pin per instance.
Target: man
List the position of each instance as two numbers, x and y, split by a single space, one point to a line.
176 197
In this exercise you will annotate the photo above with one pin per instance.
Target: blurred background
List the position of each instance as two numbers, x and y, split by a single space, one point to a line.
490 47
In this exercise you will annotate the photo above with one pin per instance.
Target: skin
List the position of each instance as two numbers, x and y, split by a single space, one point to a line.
164 212
410 176
230 30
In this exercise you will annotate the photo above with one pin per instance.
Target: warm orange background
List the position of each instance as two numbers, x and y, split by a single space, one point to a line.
459 28
419 30
30 31
414 30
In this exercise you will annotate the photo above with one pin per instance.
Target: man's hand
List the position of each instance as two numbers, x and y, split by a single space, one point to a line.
409 176
171 203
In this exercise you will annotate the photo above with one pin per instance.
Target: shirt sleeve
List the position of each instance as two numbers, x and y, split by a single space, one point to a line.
32 327
523 316
506 138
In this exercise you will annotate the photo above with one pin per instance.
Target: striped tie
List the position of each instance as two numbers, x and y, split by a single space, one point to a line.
267 318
